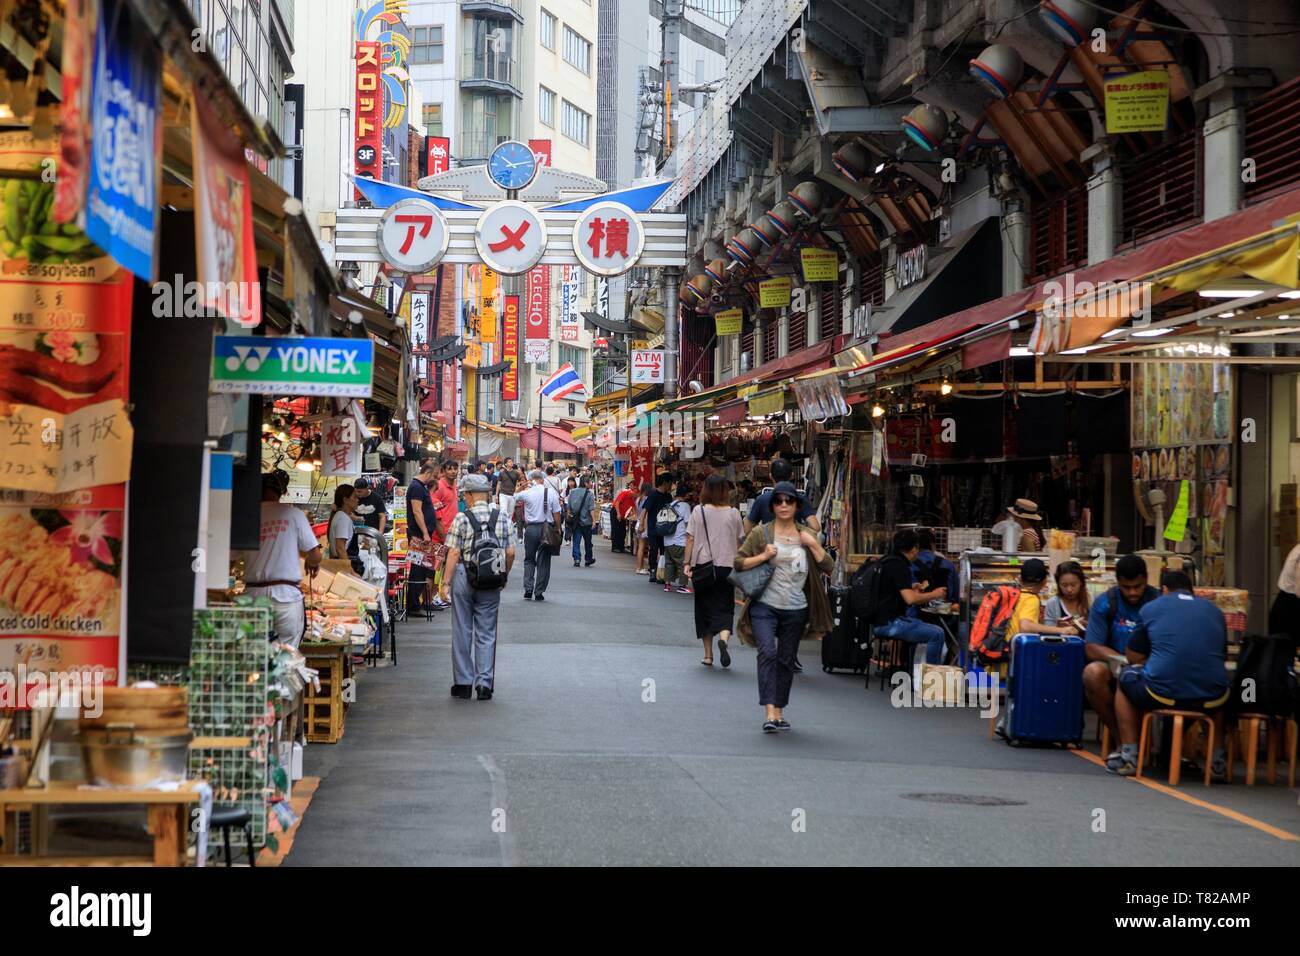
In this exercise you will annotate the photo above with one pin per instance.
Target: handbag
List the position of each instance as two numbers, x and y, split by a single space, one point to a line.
753 581
704 573
551 540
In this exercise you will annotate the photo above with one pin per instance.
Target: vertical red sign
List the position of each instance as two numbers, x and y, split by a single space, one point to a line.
510 333
542 150
538 310
368 134
439 154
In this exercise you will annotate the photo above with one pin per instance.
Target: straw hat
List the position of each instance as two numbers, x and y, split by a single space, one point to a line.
1024 508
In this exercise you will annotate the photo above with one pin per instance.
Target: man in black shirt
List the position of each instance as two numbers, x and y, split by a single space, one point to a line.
898 594
421 524
658 499
370 506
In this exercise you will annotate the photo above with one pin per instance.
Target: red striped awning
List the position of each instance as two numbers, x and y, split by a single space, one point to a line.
555 441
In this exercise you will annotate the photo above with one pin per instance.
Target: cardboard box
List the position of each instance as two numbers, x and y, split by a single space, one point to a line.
351 588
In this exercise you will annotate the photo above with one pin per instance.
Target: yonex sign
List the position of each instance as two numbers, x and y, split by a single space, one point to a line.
258 365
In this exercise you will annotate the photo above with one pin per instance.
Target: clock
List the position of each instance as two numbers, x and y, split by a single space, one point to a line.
512 165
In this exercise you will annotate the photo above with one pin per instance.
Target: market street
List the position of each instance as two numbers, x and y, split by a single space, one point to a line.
589 774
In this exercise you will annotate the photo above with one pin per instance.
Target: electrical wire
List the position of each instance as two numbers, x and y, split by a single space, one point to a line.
1190 30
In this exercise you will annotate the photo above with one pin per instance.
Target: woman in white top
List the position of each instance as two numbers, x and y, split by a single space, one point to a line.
1284 615
712 535
341 525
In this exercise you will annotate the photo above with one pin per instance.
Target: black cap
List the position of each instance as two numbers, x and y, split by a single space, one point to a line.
787 488
1033 571
361 483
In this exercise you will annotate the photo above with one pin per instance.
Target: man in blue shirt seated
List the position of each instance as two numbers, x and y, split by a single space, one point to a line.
933 569
1178 651
1111 621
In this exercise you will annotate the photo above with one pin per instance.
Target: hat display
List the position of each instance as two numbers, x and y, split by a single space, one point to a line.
1024 508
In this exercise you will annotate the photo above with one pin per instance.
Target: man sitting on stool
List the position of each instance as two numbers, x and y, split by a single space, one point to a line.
1178 651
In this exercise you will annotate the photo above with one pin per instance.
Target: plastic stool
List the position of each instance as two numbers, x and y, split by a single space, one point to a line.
1176 746
1271 724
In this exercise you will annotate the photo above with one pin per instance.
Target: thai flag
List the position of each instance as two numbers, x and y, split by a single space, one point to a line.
565 381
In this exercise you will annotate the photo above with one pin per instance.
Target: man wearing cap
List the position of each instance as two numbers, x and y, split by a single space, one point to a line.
272 570
475 610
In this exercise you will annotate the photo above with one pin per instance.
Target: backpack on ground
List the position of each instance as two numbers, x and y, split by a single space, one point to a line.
485 560
666 521
864 591
1265 663
988 634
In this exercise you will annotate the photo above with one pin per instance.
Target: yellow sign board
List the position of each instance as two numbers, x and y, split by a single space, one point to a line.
769 403
729 322
487 321
819 265
1176 529
1137 102
473 354
775 293
640 344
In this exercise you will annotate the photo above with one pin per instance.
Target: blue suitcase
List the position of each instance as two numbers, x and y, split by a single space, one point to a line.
1045 690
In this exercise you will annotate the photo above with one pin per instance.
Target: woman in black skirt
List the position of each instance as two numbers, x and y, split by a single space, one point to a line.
712 535
1284 616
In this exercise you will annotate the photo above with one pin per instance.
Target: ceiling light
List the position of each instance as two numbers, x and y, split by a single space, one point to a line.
1081 350
1151 333
1229 293
1113 332
1283 318
1292 294
1226 315
945 388
1020 351
877 411
880 169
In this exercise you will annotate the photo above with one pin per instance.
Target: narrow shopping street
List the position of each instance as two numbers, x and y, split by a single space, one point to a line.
590 774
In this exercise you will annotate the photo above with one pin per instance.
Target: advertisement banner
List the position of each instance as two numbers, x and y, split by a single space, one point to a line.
126 141
647 366
368 132
819 265
1138 102
537 315
420 331
510 353
223 220
775 293
256 365
61 580
570 320
542 150
487 324
729 322
439 148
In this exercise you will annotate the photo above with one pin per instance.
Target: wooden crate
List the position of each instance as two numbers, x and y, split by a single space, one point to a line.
324 710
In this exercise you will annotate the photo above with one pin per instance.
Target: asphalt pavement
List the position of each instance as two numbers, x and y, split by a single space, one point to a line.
607 743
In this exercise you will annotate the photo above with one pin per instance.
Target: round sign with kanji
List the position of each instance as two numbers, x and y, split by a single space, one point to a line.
413 236
608 239
511 237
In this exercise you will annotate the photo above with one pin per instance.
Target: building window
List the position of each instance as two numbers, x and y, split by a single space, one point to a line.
548 30
546 106
575 357
426 45
575 124
573 409
577 51
433 118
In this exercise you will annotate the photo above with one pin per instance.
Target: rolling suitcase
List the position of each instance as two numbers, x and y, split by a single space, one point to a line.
846 647
1045 689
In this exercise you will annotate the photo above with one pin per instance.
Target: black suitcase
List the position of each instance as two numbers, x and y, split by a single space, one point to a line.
846 647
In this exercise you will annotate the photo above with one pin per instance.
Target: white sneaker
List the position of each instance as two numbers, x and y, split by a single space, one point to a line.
643 571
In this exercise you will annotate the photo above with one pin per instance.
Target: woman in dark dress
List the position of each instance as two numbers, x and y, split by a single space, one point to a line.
712 535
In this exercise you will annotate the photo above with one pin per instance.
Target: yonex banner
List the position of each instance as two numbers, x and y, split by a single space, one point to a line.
255 364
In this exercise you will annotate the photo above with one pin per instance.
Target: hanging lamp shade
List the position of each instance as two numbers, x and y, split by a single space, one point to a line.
926 126
717 270
998 69
807 198
766 232
700 288
743 246
853 161
784 216
1070 20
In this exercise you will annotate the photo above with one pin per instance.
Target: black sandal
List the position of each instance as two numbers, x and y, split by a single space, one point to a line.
724 653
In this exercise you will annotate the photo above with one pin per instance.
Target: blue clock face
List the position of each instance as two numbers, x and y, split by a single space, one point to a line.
512 165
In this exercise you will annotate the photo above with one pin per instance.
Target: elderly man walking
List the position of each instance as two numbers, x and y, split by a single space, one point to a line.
541 505
479 558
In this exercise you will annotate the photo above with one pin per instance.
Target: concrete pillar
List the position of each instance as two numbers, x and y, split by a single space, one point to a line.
853 282
814 322
1105 194
1224 143
672 319
1015 247
783 334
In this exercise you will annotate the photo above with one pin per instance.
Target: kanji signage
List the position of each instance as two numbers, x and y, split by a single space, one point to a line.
413 236
608 239
420 330
257 365
775 293
511 237
510 351
570 321
487 312
368 131
439 150
542 150
647 366
819 265
340 443
729 322
1138 102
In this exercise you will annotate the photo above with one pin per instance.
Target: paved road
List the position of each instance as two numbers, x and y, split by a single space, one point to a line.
578 768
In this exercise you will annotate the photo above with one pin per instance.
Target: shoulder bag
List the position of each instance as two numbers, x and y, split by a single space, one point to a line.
754 581
551 539
704 572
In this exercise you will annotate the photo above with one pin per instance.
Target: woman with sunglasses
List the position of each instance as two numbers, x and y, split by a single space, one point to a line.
793 605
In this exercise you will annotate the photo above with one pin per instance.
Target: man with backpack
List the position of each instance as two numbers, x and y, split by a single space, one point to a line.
1111 623
578 508
655 502
671 525
885 592
479 558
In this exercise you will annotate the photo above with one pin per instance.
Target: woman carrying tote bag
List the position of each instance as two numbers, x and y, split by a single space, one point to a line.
711 538
791 607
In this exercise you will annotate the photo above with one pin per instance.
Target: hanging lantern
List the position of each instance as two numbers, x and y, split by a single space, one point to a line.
700 288
998 69
784 216
743 246
1070 20
853 161
926 126
766 232
717 270
807 198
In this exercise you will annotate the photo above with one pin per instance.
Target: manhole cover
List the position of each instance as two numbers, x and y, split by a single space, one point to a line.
964 799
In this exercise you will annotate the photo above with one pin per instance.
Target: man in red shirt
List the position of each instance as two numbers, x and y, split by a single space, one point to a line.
624 505
444 499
